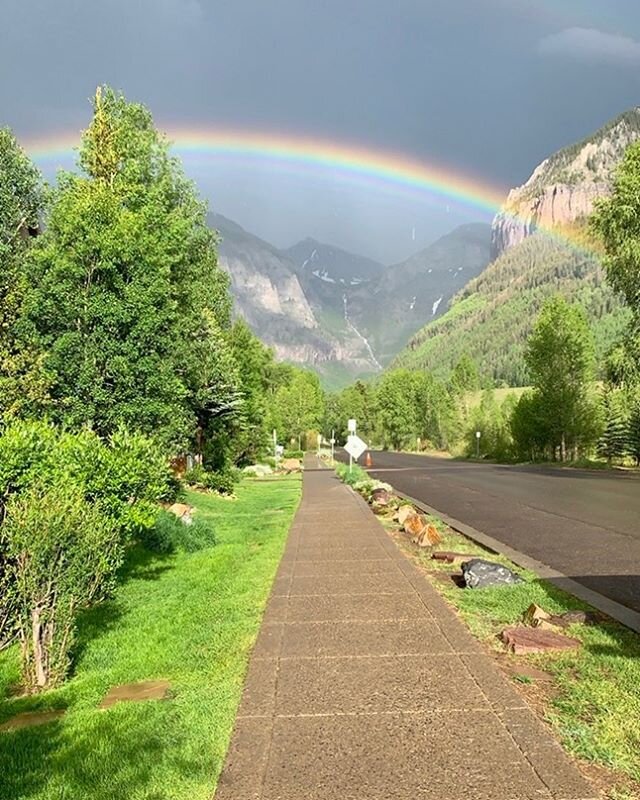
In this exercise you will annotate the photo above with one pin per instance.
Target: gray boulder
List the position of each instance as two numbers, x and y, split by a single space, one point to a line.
481 574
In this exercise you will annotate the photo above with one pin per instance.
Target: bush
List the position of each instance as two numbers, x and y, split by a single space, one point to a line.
293 454
170 535
222 482
61 555
126 476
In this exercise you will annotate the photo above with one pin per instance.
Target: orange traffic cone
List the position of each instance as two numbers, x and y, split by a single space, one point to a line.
368 462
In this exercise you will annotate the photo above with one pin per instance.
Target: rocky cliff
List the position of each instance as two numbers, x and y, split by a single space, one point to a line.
564 188
269 295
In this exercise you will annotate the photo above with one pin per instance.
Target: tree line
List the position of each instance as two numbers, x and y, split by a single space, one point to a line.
566 414
118 351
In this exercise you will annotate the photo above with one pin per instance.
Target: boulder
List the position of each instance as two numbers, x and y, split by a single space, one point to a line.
404 512
414 524
182 512
381 496
291 465
481 574
429 537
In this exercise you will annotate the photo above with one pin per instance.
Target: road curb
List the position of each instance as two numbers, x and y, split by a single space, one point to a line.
625 616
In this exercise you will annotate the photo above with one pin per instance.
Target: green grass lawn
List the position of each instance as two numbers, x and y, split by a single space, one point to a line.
189 618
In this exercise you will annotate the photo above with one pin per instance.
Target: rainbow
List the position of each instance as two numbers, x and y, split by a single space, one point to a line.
382 168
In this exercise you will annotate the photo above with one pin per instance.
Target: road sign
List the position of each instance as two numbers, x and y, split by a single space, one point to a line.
351 426
355 446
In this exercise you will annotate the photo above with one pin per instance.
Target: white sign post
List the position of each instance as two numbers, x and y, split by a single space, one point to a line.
478 435
355 447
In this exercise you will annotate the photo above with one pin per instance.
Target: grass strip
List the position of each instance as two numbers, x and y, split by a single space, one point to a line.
189 618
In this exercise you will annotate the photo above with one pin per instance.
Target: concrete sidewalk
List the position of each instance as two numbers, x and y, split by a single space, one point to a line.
363 684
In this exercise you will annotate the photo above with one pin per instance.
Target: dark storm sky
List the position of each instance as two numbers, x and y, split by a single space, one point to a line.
485 87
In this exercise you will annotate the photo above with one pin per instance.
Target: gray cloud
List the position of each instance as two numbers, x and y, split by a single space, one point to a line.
592 45
454 83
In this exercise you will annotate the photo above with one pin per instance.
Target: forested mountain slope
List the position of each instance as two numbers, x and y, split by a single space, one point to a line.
541 246
493 316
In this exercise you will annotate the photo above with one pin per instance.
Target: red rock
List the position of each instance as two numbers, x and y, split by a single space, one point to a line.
522 641
404 512
414 524
429 537
450 557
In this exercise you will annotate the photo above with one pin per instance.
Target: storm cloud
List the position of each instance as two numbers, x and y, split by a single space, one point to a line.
460 84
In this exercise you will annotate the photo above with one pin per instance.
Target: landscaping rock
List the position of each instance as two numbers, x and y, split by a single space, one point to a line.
481 574
522 641
381 496
145 690
182 512
450 557
27 719
258 470
289 465
537 617
414 525
429 537
404 512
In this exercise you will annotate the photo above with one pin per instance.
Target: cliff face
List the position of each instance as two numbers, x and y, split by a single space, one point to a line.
270 296
565 186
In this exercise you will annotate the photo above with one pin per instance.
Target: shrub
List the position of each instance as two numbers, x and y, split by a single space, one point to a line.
126 476
170 535
293 454
61 555
222 482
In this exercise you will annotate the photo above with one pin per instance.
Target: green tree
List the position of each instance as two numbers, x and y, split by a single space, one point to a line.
614 440
127 303
617 221
465 377
256 374
561 362
633 431
298 407
62 553
21 204
397 411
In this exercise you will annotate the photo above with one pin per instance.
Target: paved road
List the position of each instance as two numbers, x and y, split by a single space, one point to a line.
583 523
364 684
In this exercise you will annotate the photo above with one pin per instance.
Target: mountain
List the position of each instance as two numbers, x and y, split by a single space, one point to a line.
408 295
492 316
564 187
332 265
342 314
268 294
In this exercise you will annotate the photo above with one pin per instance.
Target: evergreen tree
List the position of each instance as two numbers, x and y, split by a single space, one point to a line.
614 441
633 431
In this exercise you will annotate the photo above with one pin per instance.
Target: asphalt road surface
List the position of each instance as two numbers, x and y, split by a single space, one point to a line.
585 524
